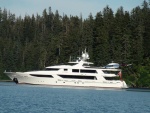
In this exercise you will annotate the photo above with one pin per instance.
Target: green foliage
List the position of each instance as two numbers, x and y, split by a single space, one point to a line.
31 43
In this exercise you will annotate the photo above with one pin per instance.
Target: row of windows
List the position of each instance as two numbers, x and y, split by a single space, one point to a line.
52 69
111 78
68 76
36 75
110 72
74 70
78 77
84 71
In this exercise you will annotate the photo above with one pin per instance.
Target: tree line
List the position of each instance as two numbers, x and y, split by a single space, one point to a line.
36 41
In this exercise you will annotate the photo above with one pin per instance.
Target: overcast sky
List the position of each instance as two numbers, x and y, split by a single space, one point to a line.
69 7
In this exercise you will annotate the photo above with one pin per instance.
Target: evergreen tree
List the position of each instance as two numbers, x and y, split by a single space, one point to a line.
145 18
137 35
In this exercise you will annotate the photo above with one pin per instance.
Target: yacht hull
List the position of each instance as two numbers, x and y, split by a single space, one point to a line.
26 78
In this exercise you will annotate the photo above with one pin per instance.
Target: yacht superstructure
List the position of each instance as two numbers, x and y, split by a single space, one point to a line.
77 73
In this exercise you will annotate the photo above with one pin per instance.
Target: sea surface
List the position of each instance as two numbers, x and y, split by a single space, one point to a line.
16 98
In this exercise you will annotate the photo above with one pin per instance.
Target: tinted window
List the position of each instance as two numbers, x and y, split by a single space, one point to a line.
75 70
52 69
110 72
111 78
65 69
78 77
41 75
88 71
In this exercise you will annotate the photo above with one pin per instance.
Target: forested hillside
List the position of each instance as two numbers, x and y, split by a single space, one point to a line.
36 41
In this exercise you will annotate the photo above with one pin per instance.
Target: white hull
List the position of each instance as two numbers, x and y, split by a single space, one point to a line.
78 73
25 78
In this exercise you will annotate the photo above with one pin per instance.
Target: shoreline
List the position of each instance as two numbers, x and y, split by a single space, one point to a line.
138 89
6 81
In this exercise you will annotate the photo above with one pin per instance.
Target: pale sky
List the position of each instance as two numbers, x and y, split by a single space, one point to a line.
69 7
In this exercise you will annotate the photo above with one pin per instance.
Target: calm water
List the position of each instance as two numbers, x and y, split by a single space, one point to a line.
41 99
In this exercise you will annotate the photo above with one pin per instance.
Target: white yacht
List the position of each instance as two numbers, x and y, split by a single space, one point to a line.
77 73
